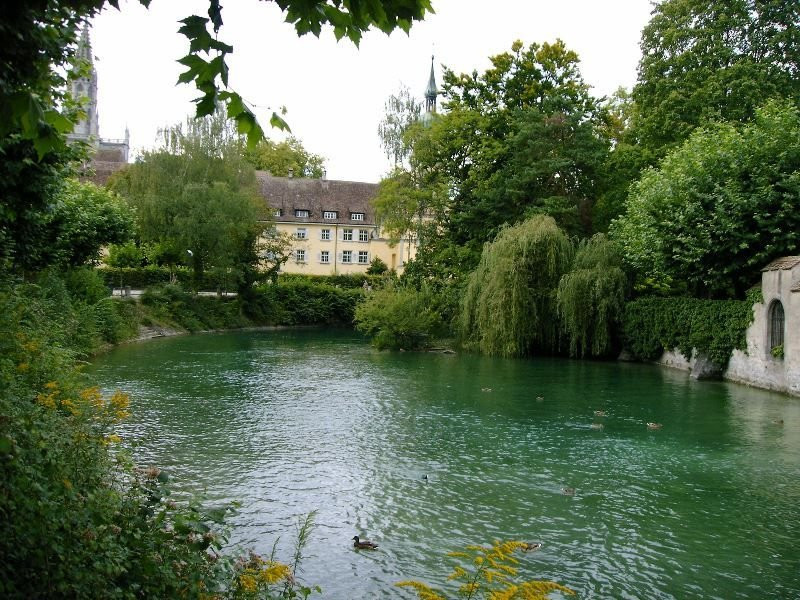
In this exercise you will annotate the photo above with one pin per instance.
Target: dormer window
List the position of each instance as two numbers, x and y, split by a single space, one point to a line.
330 214
301 213
356 216
278 212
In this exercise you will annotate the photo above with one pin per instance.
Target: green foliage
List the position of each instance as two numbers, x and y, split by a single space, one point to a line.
308 303
144 277
377 267
705 61
86 218
171 305
401 111
279 158
489 572
341 280
712 327
399 318
719 207
777 351
591 297
128 256
86 285
509 305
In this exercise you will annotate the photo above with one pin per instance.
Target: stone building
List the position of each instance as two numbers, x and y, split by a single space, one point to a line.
333 225
108 154
772 359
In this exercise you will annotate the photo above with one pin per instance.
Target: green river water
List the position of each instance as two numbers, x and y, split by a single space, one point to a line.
291 421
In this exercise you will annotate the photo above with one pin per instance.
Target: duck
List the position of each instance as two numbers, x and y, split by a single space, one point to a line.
539 399
599 413
596 425
568 491
486 389
531 546
363 544
778 422
654 425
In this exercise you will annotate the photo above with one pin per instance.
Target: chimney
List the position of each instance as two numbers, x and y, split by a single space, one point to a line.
291 172
324 174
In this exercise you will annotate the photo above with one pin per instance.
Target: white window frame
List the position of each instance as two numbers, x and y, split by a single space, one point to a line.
325 235
299 256
301 213
330 214
356 216
348 254
278 212
325 257
301 233
365 255
363 235
347 234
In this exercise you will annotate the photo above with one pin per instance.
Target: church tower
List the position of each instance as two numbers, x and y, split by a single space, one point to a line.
431 92
84 91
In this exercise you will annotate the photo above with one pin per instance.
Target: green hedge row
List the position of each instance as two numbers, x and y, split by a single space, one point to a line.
144 277
714 327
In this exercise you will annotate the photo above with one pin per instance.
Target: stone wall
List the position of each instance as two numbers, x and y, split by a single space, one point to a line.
757 366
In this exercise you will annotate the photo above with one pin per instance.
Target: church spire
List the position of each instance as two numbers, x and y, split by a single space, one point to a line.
431 92
84 90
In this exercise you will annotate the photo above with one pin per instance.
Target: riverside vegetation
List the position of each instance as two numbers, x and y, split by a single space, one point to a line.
549 221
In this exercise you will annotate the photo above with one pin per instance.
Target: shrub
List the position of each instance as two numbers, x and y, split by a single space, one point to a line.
377 267
399 318
713 327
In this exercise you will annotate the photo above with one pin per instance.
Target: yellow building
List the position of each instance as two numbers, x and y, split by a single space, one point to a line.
333 225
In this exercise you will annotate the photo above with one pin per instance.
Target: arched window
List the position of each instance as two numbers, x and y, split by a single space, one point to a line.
776 324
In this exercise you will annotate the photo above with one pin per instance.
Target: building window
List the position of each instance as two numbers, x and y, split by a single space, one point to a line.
278 212
300 256
347 256
300 233
776 326
347 235
325 257
363 257
330 214
356 216
363 235
301 213
325 235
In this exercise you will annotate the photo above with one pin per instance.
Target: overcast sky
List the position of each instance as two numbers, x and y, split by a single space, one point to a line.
334 92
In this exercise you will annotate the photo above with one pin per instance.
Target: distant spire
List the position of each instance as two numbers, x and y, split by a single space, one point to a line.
85 44
431 92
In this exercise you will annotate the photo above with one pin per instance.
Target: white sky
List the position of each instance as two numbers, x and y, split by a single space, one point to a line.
334 92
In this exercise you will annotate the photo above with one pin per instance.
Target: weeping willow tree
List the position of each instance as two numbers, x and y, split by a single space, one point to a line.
591 297
509 306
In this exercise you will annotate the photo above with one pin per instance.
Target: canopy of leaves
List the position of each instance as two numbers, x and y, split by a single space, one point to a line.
705 61
509 305
197 195
279 158
591 297
718 208
401 111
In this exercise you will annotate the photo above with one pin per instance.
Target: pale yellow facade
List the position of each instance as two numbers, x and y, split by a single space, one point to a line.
334 248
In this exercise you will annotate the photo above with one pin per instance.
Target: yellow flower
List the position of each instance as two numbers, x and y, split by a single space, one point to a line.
248 583
23 367
112 439
120 402
274 572
51 385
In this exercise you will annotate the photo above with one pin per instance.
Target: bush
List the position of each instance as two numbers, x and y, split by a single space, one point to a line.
399 318
301 302
377 267
713 327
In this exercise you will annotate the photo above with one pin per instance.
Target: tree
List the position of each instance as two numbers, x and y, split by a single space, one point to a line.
718 208
196 196
509 304
591 297
281 158
401 111
704 61
519 138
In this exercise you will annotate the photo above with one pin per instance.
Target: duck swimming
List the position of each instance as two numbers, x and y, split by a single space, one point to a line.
654 425
568 491
531 547
599 413
596 426
363 544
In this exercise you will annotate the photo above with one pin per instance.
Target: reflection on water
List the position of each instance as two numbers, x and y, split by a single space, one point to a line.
290 422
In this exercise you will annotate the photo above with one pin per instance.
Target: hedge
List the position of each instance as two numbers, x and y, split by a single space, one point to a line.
714 327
